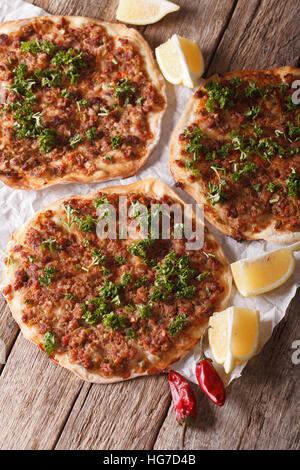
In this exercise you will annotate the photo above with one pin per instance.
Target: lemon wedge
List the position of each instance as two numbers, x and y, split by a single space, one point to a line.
233 336
144 11
180 60
253 276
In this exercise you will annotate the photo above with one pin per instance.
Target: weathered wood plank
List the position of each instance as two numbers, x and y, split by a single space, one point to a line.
36 396
118 416
262 408
261 34
8 330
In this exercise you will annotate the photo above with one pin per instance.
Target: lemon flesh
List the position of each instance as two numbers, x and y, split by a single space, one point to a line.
167 56
264 273
141 12
218 335
193 62
180 60
234 336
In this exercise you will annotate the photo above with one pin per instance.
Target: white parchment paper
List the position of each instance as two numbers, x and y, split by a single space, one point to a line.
17 206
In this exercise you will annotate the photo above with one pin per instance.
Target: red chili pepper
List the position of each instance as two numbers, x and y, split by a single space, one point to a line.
208 378
184 400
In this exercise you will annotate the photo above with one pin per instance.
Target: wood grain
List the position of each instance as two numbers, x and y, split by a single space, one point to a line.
36 396
261 34
8 330
118 416
43 406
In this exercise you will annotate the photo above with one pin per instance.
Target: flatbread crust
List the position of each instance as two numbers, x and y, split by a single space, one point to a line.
217 214
104 171
152 188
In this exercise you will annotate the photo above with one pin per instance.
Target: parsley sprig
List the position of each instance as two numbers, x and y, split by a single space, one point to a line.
124 90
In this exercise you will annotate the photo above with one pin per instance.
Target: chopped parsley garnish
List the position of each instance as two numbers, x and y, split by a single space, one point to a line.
252 90
126 279
124 90
140 248
47 140
93 317
51 244
293 183
74 62
144 311
177 324
87 224
203 275
66 94
236 81
114 321
293 131
268 148
111 291
173 275
257 129
253 112
28 123
91 133
248 168
70 214
104 111
141 281
272 186
99 201
115 141
257 187
120 260
191 166
290 106
130 308
82 102
97 260
145 218
238 143
49 77
22 85
34 46
194 146
216 192
218 96
49 342
69 296
139 101
75 140
49 274
130 333
31 259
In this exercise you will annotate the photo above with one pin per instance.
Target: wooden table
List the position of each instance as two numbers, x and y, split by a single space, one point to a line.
43 406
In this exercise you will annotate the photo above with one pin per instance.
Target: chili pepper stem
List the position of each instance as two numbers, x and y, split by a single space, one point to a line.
183 435
202 355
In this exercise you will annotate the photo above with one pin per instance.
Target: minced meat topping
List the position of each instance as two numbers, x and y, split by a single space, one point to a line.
245 149
71 99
